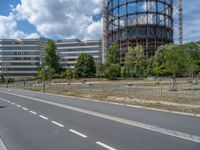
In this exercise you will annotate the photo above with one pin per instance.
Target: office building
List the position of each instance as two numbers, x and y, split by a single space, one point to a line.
21 58
69 50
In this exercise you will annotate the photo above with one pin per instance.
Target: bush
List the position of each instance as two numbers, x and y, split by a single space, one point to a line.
68 74
113 71
56 76
11 80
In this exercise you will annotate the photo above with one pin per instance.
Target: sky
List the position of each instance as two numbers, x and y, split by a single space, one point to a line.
65 19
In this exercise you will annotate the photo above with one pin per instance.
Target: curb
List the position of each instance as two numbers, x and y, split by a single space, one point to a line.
119 104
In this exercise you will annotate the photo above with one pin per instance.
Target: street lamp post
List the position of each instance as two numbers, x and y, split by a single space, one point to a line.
44 84
45 72
6 75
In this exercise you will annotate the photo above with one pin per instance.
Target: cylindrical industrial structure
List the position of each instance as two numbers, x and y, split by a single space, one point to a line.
148 23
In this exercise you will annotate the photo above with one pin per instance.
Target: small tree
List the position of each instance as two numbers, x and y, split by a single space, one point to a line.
113 54
135 60
51 73
176 62
85 66
52 60
159 60
68 73
100 69
113 71
193 65
42 74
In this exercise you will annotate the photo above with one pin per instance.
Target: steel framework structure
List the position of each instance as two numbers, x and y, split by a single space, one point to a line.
148 23
180 16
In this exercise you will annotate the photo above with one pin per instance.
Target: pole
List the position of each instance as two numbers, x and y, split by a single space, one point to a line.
6 82
43 85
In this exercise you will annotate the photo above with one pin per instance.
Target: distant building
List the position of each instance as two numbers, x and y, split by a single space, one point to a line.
21 58
69 50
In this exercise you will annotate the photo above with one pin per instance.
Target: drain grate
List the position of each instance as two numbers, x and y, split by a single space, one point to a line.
2 145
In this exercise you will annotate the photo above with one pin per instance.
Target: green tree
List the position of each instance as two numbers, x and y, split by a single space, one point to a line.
113 54
149 67
112 71
159 60
175 63
100 68
124 72
135 60
69 74
193 56
52 60
85 66
42 74
51 73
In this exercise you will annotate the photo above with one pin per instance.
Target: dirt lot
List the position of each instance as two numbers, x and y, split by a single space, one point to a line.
136 92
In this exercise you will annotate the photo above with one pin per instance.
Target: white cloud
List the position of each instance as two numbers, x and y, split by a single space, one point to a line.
74 19
8 29
63 18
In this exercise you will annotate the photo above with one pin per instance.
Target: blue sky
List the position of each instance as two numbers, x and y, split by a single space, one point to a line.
74 19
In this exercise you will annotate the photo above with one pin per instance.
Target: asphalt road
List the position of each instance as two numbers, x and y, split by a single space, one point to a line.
37 121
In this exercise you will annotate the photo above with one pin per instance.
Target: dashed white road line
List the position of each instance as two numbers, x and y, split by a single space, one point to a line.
43 117
13 103
19 106
105 146
149 127
78 133
33 112
58 124
24 108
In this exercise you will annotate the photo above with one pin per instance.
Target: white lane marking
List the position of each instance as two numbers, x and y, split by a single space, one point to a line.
78 133
115 103
43 117
19 106
58 124
33 112
13 103
2 145
8 101
24 108
156 129
105 146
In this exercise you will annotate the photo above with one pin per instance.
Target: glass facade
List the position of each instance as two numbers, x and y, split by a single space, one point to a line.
21 58
70 50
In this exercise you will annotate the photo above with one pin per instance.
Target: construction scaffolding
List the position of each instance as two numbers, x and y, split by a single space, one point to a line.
148 23
180 9
105 30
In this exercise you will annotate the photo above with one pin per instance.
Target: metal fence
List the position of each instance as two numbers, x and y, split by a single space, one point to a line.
184 90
